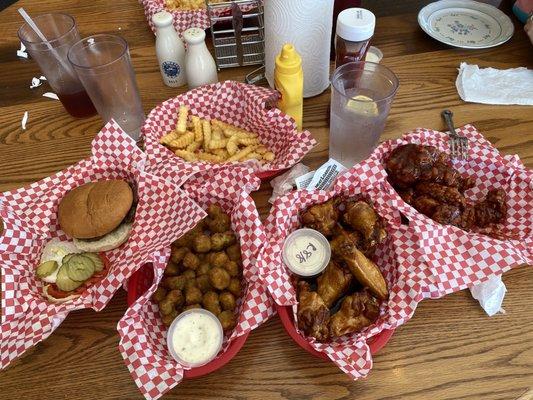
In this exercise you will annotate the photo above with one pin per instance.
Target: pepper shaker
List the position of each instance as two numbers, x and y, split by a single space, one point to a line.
200 65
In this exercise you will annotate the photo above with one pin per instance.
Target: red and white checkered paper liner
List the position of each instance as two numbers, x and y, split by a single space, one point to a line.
397 258
460 259
182 19
243 105
164 212
143 335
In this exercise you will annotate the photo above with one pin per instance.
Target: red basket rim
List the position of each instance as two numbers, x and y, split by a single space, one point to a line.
268 175
197 372
375 343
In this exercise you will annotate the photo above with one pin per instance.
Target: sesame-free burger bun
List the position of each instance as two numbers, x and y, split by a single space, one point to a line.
95 209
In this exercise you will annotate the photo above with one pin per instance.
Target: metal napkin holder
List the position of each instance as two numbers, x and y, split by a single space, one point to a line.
238 36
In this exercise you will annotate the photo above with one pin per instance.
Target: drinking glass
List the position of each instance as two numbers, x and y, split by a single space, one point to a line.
61 33
103 65
361 97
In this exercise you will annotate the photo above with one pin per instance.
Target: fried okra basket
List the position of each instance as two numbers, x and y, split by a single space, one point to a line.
212 267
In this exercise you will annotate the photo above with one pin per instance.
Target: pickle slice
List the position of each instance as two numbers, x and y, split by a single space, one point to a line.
98 263
79 268
65 259
46 268
64 283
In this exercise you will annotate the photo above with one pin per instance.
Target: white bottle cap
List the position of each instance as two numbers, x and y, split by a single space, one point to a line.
356 24
306 252
194 35
162 19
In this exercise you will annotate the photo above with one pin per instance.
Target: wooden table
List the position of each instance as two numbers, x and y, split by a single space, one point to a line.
449 350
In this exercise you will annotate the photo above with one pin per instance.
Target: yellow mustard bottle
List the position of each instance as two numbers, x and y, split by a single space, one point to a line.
289 80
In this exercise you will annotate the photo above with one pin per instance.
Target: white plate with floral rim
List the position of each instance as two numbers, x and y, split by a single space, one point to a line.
466 23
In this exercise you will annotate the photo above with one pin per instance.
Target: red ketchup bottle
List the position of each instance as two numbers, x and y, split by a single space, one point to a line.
355 28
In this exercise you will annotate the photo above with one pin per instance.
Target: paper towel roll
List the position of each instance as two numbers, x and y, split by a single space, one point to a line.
307 25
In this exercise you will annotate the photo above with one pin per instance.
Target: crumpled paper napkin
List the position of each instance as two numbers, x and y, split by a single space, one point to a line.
495 86
490 295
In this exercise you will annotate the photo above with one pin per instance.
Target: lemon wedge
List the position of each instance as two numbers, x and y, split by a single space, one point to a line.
363 105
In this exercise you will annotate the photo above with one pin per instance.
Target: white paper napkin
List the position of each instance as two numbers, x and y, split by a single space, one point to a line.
490 295
494 86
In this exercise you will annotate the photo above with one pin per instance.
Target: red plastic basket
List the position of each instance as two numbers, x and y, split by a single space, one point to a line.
376 343
266 176
140 282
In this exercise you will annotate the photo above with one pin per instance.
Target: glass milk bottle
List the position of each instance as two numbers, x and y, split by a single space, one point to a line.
200 65
170 51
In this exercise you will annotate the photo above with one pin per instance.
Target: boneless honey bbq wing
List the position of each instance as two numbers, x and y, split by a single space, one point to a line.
425 178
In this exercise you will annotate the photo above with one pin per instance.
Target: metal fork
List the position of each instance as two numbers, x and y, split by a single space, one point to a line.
458 143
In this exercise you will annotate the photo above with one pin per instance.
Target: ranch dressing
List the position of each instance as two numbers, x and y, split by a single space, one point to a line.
195 337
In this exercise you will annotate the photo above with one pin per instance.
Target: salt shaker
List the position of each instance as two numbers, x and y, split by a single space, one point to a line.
200 65
170 51
355 28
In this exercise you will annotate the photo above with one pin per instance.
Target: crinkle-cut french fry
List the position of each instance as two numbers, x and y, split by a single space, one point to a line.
169 137
233 145
269 156
217 133
248 141
209 157
198 132
218 144
181 126
194 146
186 155
207 134
254 156
261 150
221 153
183 141
241 154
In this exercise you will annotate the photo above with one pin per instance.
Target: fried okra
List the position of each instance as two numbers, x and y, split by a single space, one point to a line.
211 302
227 301
227 320
219 278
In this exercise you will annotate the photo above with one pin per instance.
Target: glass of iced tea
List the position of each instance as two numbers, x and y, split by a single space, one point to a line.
103 65
61 33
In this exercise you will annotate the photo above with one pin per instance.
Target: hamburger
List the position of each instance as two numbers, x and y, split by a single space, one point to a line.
98 216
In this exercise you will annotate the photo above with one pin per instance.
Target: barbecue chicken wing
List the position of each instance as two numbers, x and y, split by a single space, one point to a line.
313 314
322 217
357 311
333 283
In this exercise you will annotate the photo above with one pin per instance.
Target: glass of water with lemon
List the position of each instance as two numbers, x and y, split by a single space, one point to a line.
361 97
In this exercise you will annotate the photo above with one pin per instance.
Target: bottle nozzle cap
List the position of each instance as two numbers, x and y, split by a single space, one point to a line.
288 60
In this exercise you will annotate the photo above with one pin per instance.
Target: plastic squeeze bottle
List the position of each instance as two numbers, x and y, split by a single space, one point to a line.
289 80
170 51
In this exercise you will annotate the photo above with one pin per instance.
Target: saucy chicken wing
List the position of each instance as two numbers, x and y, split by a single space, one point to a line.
333 283
322 217
313 314
357 311
425 178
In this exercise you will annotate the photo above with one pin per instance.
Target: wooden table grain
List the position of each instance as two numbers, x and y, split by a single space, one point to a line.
449 350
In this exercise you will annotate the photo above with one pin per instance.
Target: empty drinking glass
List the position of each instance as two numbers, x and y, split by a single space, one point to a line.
103 65
361 97
61 33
